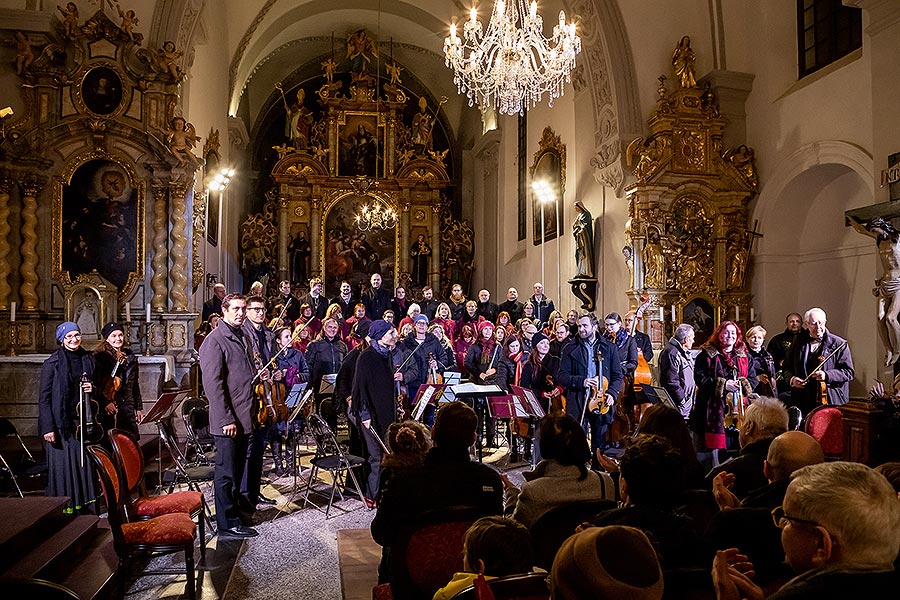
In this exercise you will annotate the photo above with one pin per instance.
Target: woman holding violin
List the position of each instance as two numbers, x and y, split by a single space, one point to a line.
293 365
539 374
763 362
119 394
65 388
724 376
509 373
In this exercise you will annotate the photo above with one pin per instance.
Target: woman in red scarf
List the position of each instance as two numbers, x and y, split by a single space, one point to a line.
723 368
461 346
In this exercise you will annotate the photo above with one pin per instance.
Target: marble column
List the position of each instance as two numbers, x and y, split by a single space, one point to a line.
179 248
315 224
403 265
160 263
435 269
5 269
28 269
284 265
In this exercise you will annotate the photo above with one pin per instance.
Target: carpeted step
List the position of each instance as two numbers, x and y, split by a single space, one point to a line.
53 557
93 577
35 519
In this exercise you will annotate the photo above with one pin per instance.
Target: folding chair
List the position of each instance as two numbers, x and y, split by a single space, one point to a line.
195 416
133 541
332 458
181 471
25 466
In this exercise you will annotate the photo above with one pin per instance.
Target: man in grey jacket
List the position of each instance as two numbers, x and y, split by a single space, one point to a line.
676 369
228 382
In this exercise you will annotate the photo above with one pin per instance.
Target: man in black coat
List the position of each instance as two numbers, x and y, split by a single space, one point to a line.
486 308
228 373
345 299
780 348
428 304
214 304
641 338
376 299
578 374
512 306
291 306
316 300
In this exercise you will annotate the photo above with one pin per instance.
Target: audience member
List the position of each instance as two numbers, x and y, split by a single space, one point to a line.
667 422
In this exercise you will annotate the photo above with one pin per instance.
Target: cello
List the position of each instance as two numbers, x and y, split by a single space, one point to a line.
642 374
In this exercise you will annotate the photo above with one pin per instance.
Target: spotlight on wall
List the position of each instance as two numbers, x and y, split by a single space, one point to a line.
221 179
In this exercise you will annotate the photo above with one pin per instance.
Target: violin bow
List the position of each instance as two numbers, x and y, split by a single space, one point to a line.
824 360
283 348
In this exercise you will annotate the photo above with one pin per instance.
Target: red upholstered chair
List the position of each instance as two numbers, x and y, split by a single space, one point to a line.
826 424
140 506
529 586
165 534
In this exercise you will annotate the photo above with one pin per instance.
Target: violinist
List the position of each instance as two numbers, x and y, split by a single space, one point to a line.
580 378
228 373
292 363
117 373
481 364
58 399
446 359
540 374
374 397
425 350
509 373
816 347
262 348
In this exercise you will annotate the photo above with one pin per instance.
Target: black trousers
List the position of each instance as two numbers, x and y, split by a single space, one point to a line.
596 425
250 482
373 457
231 459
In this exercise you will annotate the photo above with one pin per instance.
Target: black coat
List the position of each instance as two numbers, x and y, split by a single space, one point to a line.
374 390
58 392
213 305
838 371
488 310
573 372
130 392
416 370
514 308
227 371
324 357
346 307
376 301
644 345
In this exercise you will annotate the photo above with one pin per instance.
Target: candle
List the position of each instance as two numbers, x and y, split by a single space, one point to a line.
752 315
673 313
128 312
148 312
662 315
737 313
12 312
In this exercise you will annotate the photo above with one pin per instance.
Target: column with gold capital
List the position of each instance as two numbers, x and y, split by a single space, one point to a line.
179 247
160 264
28 268
315 223
284 270
5 269
435 270
403 262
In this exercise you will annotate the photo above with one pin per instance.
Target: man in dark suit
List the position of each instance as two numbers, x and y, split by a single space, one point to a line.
285 299
486 308
579 375
428 304
214 304
812 346
345 299
376 298
228 373
512 306
315 299
641 338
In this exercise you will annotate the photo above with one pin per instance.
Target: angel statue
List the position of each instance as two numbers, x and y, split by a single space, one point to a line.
181 139
167 57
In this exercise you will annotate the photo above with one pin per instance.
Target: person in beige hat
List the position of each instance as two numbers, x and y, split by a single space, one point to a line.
613 563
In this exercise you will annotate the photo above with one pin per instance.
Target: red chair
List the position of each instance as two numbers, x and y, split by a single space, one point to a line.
139 506
826 424
165 534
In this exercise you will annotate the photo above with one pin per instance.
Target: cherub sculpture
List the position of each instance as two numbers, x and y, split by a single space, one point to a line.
129 22
181 139
24 53
70 18
167 57
328 66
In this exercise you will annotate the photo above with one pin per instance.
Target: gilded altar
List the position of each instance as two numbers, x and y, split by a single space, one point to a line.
688 236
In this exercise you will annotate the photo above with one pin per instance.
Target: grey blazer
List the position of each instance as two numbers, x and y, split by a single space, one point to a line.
227 379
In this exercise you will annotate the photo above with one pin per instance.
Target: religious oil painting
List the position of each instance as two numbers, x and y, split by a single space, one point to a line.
352 254
699 313
361 147
100 223
547 187
101 90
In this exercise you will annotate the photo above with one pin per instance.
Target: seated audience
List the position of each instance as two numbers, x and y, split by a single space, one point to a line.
561 477
840 532
493 547
668 423
614 563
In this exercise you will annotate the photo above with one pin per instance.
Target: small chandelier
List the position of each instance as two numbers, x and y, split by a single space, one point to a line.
511 65
375 216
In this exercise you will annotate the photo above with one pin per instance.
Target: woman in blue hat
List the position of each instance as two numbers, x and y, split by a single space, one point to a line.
66 378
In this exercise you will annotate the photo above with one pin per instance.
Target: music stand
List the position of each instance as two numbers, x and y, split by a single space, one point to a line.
428 394
326 385
471 392
163 409
296 400
529 402
656 395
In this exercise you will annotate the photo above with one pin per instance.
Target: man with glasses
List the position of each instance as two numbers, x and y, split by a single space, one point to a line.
228 373
840 531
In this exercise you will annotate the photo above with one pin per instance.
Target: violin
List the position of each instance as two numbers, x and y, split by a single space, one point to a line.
597 401
557 399
115 382
434 376
87 427
269 399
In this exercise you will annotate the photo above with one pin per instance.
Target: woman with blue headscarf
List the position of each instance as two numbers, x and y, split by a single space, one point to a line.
60 391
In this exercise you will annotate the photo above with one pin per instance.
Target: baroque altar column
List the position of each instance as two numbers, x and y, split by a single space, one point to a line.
179 247
403 259
435 272
160 262
5 290
28 269
284 265
315 224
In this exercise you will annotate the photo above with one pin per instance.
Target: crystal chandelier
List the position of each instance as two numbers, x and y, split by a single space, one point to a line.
375 216
511 65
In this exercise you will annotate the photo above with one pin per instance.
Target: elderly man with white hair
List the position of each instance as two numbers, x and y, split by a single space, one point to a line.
818 356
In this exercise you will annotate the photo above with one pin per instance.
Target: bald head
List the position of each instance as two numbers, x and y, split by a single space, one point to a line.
790 451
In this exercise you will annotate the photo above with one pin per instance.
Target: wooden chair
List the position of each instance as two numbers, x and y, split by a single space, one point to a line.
165 534
139 506
553 527
529 586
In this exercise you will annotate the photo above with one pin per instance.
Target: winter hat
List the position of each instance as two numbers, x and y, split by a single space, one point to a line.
109 328
63 328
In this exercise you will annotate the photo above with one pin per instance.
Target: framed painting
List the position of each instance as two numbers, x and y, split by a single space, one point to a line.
361 144
101 90
548 186
700 313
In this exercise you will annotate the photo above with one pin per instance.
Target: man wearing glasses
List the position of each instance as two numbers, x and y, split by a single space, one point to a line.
840 531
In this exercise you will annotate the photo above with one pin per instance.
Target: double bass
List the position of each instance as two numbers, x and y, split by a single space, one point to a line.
642 374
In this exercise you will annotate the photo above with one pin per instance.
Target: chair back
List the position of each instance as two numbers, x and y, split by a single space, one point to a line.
430 552
111 483
826 424
528 586
555 526
7 429
795 418
170 441
131 458
326 442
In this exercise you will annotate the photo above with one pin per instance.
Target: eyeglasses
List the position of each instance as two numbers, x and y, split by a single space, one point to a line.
779 518
257 308
612 323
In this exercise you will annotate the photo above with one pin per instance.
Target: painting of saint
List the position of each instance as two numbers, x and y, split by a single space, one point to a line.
353 255
700 314
100 223
101 90
360 148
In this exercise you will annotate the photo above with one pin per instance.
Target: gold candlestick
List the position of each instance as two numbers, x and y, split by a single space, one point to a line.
13 338
148 329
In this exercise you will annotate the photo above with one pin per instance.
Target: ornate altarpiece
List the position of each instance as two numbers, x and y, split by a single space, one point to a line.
688 238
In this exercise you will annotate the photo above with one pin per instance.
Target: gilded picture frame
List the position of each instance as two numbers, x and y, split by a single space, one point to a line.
549 166
701 312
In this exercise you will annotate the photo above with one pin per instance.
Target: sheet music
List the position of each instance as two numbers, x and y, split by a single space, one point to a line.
296 412
423 402
474 388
